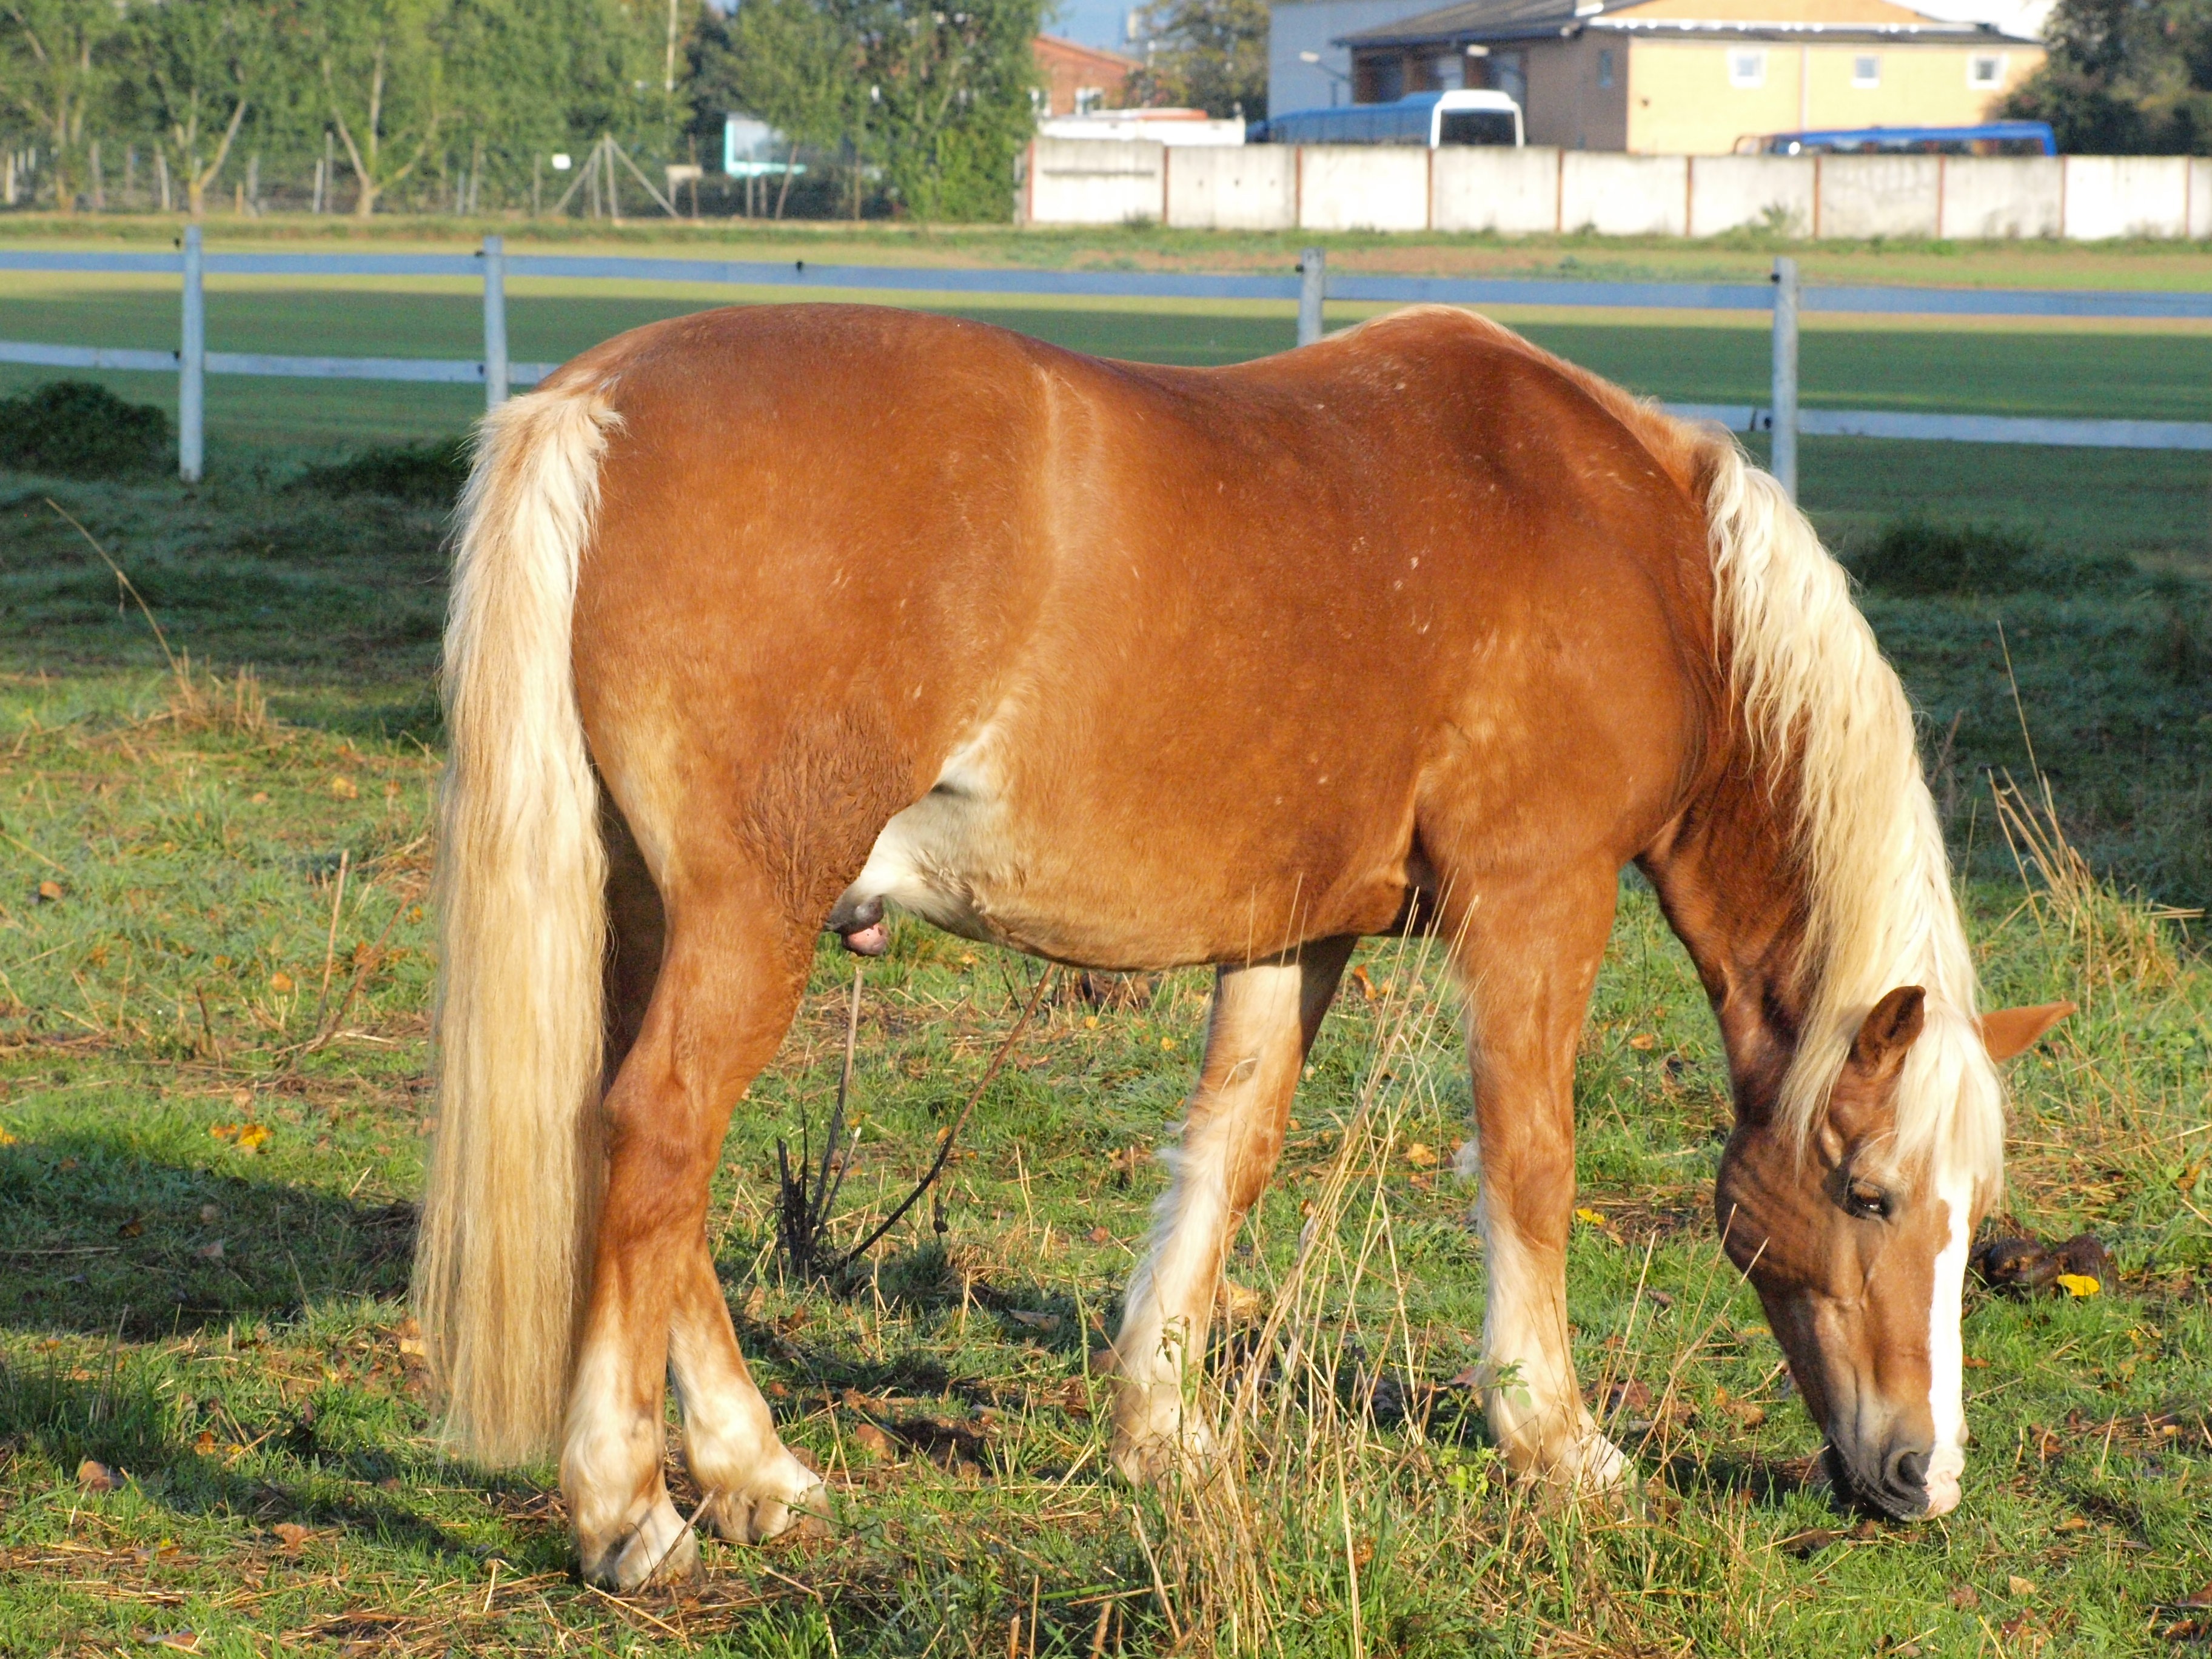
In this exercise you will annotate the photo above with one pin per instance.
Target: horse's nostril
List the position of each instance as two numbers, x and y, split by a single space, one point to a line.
1908 1471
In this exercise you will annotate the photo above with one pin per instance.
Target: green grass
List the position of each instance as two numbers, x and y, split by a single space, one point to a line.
282 1485
1739 256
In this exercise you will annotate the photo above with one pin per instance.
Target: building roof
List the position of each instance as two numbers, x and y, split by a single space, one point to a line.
1473 20
1112 63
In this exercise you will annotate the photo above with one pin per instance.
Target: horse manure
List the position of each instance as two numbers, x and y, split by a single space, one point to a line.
2020 1266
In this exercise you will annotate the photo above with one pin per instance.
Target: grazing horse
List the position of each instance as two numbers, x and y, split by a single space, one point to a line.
765 619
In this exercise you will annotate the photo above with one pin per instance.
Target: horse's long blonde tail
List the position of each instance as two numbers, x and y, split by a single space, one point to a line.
503 1257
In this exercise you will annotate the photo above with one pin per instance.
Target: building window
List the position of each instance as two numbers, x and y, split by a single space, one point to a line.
1447 72
1746 69
1866 70
1378 80
1088 99
1985 71
1605 69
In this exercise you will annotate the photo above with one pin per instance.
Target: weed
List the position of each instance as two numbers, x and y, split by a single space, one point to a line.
1919 556
74 428
429 474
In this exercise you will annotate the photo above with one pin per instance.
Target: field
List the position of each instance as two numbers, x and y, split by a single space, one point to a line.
214 980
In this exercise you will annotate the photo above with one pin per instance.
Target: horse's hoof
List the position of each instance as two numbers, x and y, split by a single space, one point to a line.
659 1549
1154 1459
789 1497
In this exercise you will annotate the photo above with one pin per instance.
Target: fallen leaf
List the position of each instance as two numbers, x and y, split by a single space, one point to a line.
134 1228
1973 1365
2019 1586
184 1641
1090 1022
1810 1542
252 1138
50 892
204 1443
1421 1155
209 1252
1591 1217
224 1131
1965 1596
6 1139
1074 1397
755 1302
1240 1303
872 1440
259 798
1643 1042
209 1213
94 1476
1366 985
292 1535
1100 1235
344 787
2078 1285
2073 1523
281 983
1167 1042
1034 1320
2202 1599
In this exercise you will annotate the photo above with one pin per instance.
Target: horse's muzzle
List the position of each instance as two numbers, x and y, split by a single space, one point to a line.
1897 1486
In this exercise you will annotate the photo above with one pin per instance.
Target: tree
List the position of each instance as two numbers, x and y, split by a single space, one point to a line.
948 105
55 62
2124 77
793 64
1205 54
192 70
382 68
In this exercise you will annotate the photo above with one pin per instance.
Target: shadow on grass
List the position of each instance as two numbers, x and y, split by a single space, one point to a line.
125 1418
98 1239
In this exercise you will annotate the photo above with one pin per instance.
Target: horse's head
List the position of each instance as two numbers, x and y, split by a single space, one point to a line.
1858 1252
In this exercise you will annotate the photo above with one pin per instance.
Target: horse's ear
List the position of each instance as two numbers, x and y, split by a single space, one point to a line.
1888 1031
2007 1031
1863 1102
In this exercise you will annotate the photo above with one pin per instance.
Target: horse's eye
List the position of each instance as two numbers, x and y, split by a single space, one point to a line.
1865 1199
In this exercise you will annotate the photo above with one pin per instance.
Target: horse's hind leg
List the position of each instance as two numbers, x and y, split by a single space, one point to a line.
728 984
1264 1018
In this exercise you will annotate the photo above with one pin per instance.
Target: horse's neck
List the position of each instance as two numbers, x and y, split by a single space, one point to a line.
1736 897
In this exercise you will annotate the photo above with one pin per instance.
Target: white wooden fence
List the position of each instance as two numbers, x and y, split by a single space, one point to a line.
1068 181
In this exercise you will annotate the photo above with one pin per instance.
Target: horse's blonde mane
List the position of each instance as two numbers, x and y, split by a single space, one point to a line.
1809 677
1881 913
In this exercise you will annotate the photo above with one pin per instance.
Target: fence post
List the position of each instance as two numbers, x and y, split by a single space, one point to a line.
1784 458
192 368
494 281
1313 270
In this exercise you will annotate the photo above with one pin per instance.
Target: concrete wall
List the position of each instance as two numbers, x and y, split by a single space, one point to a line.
1512 192
1394 188
1728 190
2002 196
1233 187
1363 187
1624 195
2127 196
1092 181
1877 195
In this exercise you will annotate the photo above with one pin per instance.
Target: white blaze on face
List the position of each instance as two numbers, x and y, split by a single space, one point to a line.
1946 1353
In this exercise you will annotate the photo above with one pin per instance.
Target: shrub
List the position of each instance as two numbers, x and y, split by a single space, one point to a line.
82 430
431 473
1918 556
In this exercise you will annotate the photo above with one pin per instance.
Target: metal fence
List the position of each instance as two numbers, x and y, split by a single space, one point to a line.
1310 288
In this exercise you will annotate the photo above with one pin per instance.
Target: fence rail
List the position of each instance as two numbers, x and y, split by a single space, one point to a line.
1308 288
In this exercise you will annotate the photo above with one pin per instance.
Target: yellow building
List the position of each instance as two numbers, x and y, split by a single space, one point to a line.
1698 77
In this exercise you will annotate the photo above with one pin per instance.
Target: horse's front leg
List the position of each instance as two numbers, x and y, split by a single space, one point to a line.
1529 967
1263 1021
725 993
